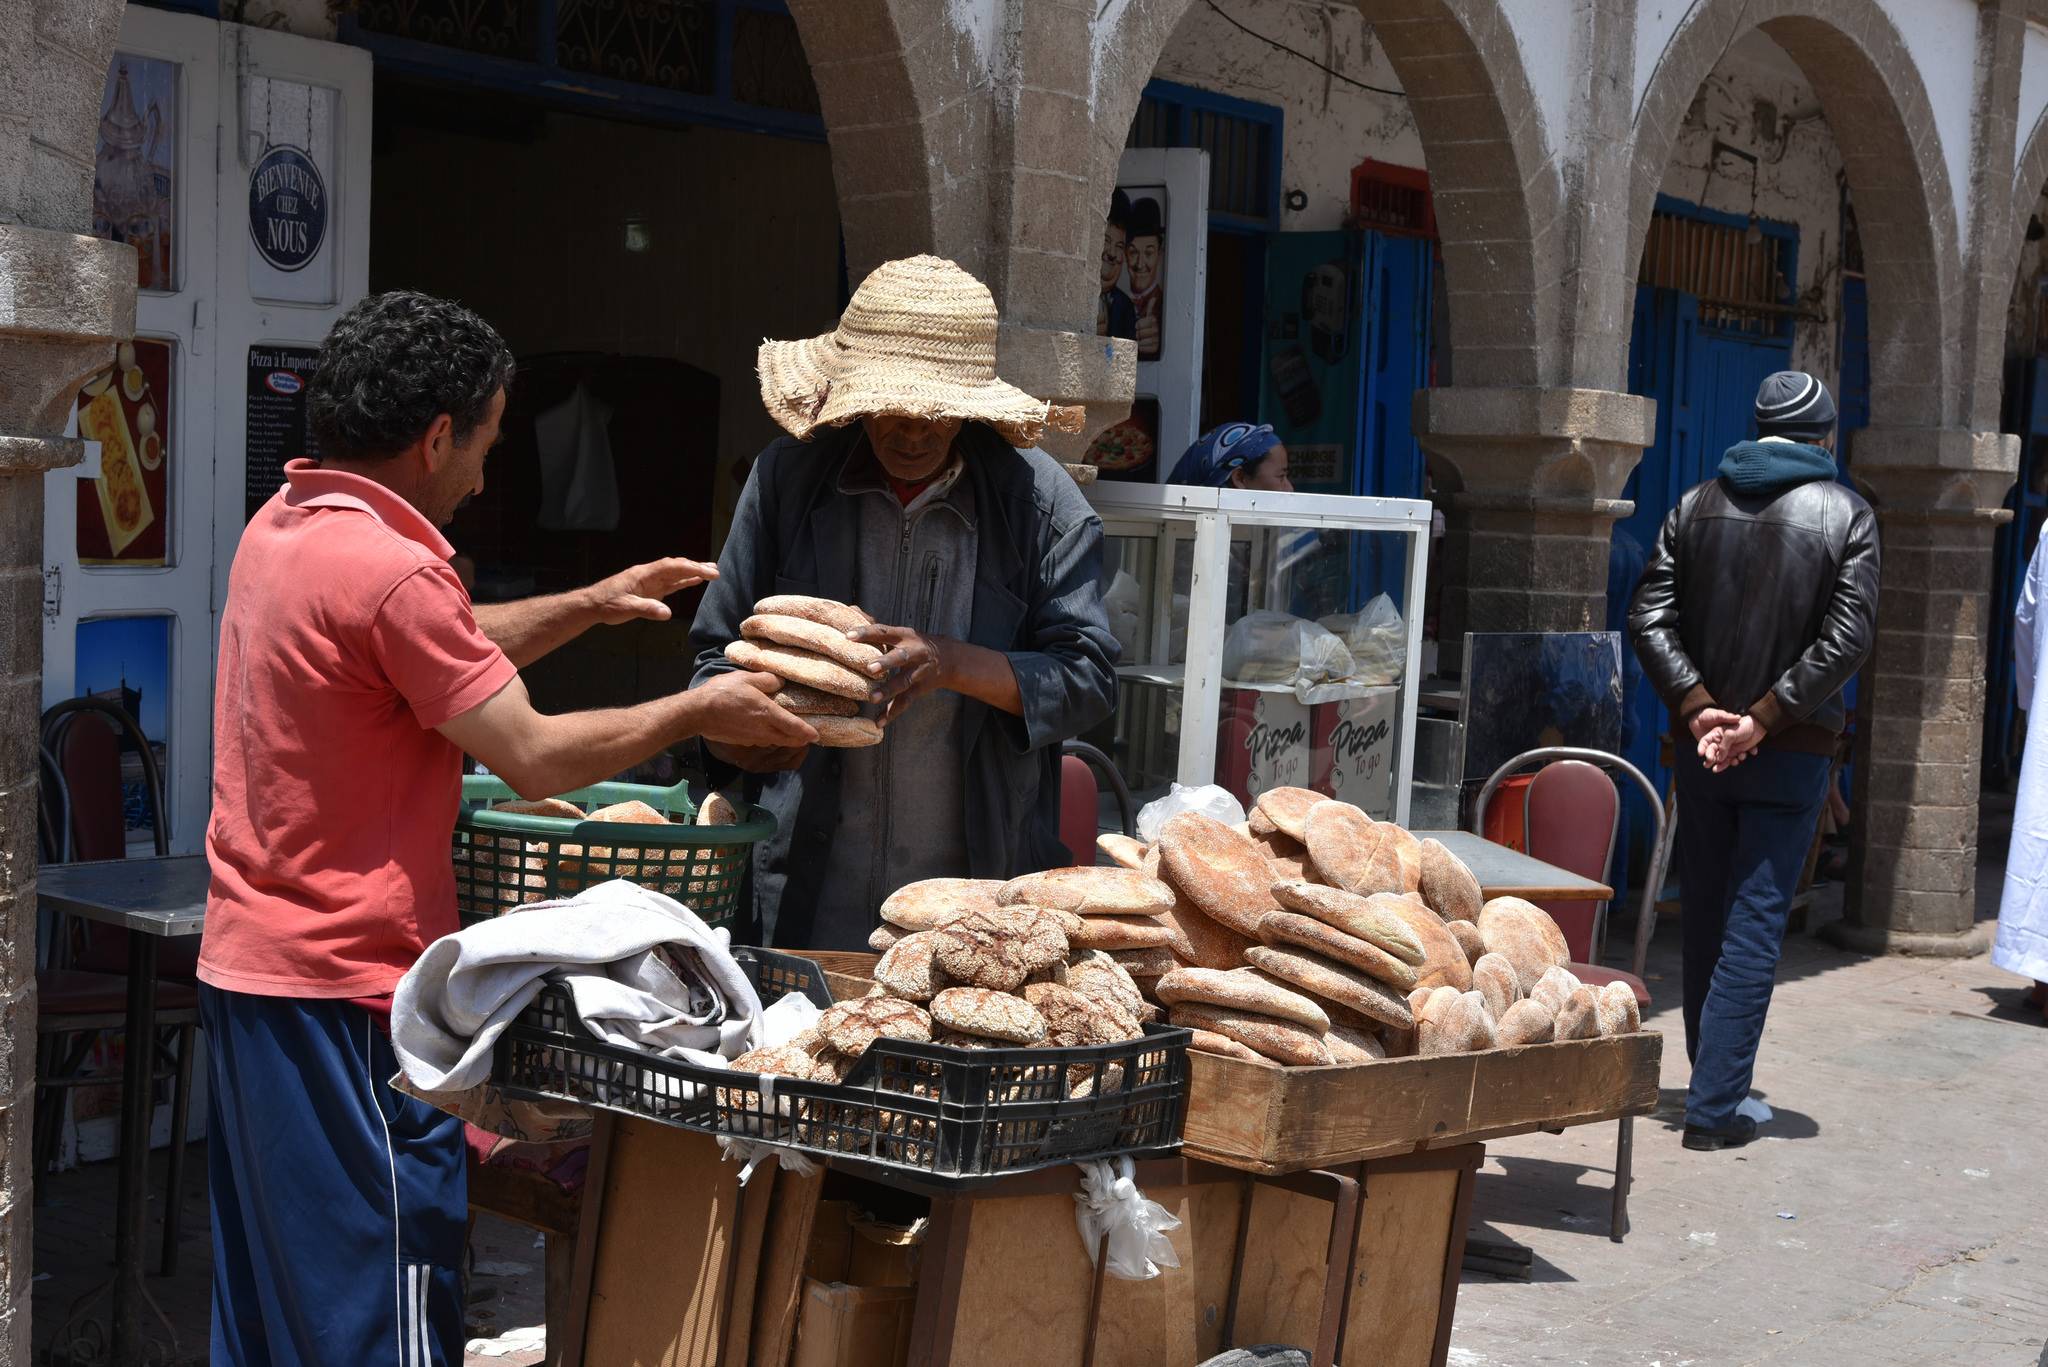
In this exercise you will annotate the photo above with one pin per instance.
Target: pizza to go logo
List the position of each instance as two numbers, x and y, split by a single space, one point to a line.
287 207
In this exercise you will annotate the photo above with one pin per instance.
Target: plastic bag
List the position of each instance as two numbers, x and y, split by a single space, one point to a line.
1124 602
1376 638
1110 1203
1279 648
1208 799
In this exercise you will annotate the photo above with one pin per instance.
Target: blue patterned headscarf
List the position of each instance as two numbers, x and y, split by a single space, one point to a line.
1233 446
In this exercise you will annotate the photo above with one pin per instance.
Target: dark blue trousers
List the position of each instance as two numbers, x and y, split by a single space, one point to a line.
340 1207
1743 838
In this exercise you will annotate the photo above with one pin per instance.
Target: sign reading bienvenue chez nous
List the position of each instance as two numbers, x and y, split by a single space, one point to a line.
287 207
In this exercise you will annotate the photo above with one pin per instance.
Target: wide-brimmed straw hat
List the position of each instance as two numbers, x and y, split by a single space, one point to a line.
918 340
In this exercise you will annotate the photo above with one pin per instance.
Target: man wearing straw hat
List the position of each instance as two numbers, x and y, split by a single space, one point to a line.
908 485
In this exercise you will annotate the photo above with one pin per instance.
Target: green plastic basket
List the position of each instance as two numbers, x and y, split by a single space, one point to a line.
505 860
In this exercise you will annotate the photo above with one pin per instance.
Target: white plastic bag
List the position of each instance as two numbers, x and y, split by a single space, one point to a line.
1208 799
1279 648
1124 602
1376 638
1109 1202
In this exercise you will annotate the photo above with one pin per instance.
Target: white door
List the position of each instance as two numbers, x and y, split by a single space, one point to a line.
128 537
1166 276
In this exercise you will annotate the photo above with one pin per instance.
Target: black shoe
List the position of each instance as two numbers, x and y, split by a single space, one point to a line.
1733 1135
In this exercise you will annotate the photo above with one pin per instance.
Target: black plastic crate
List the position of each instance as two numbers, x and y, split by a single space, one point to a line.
937 1116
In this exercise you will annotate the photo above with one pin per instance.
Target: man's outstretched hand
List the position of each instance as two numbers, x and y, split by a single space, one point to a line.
638 592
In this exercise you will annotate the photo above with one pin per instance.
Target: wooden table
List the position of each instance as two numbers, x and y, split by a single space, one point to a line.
154 900
1503 872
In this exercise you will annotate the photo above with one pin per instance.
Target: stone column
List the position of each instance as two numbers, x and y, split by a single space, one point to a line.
1535 477
1920 711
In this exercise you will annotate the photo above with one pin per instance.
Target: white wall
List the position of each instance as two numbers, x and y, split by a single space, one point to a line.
1656 21
1942 37
2033 89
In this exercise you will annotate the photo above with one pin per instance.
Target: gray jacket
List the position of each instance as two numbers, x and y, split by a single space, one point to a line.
1037 597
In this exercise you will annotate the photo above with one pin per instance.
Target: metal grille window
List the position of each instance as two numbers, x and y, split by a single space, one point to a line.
1741 275
665 43
496 28
1241 138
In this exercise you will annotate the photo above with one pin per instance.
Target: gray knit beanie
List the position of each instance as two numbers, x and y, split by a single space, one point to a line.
1794 405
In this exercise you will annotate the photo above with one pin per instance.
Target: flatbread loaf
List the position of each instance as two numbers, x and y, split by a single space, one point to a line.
1305 932
1579 1018
991 1015
1223 874
1615 1005
1527 1022
1124 851
1448 884
824 611
1339 984
846 733
1209 1042
1287 810
1090 892
1349 1045
811 702
1493 978
633 813
1242 989
1146 963
1260 825
1554 987
1356 853
1524 933
934 902
815 637
718 810
544 806
1121 932
1443 961
1363 918
1466 933
1279 1040
1458 1026
1200 942
799 667
1000 948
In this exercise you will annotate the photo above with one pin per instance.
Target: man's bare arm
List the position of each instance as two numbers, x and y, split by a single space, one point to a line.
530 628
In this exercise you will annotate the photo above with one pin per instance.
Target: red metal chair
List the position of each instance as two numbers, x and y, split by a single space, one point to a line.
82 983
1080 799
1571 811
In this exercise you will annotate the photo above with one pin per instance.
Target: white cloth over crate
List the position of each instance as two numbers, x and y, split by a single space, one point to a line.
2022 944
644 971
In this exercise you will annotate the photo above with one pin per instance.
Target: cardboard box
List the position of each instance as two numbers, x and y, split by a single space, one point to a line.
853 1326
1352 744
1262 741
1268 738
831 1251
885 1254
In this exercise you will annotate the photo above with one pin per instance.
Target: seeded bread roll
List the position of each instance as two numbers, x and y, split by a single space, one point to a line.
850 1027
824 611
1122 850
1362 918
1466 933
1090 892
1287 809
1525 935
799 667
1448 885
1579 1017
1615 1006
1220 872
1333 982
815 637
1493 978
1288 928
908 969
1527 1022
1554 987
782 1060
1348 1045
846 733
1358 854
812 702
1243 989
1000 948
1209 1042
1097 976
1072 1020
1279 1040
1458 1026
991 1015
1121 932
1443 962
934 902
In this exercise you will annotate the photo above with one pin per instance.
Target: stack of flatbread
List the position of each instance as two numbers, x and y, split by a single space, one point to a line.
803 641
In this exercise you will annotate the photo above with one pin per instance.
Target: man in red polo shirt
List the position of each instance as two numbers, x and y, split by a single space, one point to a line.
353 674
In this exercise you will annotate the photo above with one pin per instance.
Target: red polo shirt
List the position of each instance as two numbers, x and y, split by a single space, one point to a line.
347 639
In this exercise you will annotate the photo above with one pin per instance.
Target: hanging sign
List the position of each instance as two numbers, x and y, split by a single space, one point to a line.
287 208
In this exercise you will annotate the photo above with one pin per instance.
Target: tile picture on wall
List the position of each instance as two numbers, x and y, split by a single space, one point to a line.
123 515
134 175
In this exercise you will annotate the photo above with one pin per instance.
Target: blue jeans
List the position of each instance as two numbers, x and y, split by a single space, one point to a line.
1743 838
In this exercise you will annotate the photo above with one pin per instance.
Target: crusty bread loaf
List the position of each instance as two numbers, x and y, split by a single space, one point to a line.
991 1015
934 902
815 637
1527 1022
1524 933
1448 884
1222 873
1579 1018
1553 988
1072 1020
846 733
1090 892
1350 1045
1209 1042
1305 932
909 971
883 937
1123 851
1466 933
1355 853
824 611
1279 1040
1339 984
999 948
1242 989
1287 809
850 1027
1493 978
1095 975
1356 916
1458 1026
1200 942
1120 932
782 1060
1443 960
801 667
1615 1006
812 702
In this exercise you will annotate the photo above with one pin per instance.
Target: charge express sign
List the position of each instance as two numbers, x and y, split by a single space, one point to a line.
287 207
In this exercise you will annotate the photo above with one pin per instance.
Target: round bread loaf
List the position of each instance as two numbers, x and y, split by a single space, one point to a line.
882 937
1291 928
824 611
850 1027
1525 935
934 902
799 667
1466 933
846 733
1097 976
1349 1045
1146 963
1448 884
1242 989
1209 1042
1458 1026
815 637
1279 1040
1259 825
1200 942
1579 1017
1221 873
1069 924
541 806
1123 851
908 969
1121 932
782 1060
1090 892
811 702
1072 1020
1408 850
718 810
1615 1005
1334 982
1287 809
1554 987
1291 868
1493 978
999 948
1443 960
1527 1022
1420 997
1356 853
992 1015
632 812
1358 917
960 1039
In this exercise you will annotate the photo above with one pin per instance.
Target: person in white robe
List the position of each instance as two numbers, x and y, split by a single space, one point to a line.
2022 943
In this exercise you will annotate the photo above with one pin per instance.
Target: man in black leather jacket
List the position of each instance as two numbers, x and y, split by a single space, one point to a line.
1758 606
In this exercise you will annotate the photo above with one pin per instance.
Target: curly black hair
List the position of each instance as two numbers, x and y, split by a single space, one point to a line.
394 363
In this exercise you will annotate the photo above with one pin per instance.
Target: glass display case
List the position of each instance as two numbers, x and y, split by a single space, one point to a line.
1268 640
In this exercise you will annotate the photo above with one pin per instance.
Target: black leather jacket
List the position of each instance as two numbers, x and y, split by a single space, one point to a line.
1759 603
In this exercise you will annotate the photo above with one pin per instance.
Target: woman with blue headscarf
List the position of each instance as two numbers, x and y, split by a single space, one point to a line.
1237 455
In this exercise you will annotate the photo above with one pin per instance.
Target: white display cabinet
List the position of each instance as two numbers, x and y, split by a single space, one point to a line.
1211 690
